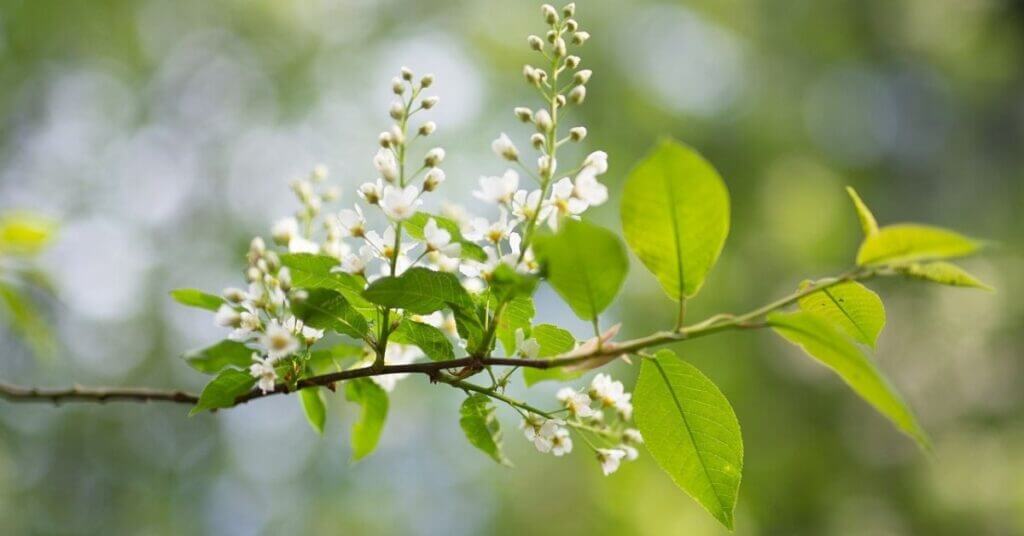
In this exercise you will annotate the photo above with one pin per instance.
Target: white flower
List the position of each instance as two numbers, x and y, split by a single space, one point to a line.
248 325
631 453
606 391
610 459
227 316
577 403
631 436
433 179
526 348
540 431
396 354
336 248
589 189
263 369
442 321
624 407
597 161
563 203
504 148
434 157
352 222
480 229
528 263
355 263
443 262
296 326
279 341
400 203
498 189
386 164
547 165
372 191
561 443
299 244
384 246
284 230
524 205
439 239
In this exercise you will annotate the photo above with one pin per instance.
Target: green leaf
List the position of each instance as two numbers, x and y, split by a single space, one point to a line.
826 343
691 431
24 233
224 354
330 360
518 314
553 341
367 429
851 307
431 340
414 226
867 219
482 427
223 390
585 264
943 273
327 309
420 291
314 406
27 320
909 242
675 217
197 298
506 283
310 271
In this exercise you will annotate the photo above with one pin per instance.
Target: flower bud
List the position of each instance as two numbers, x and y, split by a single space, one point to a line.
407 74
572 62
550 15
429 102
547 165
543 121
427 80
560 100
397 86
571 25
538 140
569 9
257 247
370 192
559 47
579 38
504 148
397 136
397 110
234 295
434 157
551 36
577 133
583 76
433 179
427 128
319 173
577 94
535 43
332 194
532 74
524 114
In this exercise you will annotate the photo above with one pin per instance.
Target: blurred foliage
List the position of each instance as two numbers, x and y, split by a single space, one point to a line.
158 131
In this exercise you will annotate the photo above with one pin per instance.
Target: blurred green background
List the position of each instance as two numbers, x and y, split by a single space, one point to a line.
162 134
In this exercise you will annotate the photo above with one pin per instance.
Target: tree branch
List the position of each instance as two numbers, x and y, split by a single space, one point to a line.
588 358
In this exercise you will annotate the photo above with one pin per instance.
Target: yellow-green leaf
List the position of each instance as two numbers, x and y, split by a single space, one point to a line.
553 341
24 233
224 354
223 390
197 298
481 426
374 403
867 219
911 242
314 407
851 307
832 347
943 273
691 431
675 217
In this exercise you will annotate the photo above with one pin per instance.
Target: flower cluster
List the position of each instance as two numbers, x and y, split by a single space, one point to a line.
586 413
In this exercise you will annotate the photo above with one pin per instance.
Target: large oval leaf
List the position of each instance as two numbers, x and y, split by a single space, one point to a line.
675 216
691 431
420 291
223 390
481 426
374 403
838 352
851 307
911 242
585 264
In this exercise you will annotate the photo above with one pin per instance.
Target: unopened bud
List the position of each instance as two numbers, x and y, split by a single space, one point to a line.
551 36
560 101
550 15
535 43
569 9
429 102
434 157
427 128
571 25
407 74
579 38
427 80
577 94
319 173
332 194
538 140
524 114
397 136
559 47
577 133
547 165
234 295
384 139
397 110
543 121
572 62
397 86
532 74
434 178
583 76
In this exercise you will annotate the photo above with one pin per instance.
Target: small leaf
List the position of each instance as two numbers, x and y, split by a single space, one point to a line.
314 406
414 226
585 264
25 233
909 242
867 219
197 298
223 390
367 429
327 309
691 431
851 307
506 284
943 273
553 341
224 354
518 314
420 291
481 426
310 271
838 352
675 217
431 340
